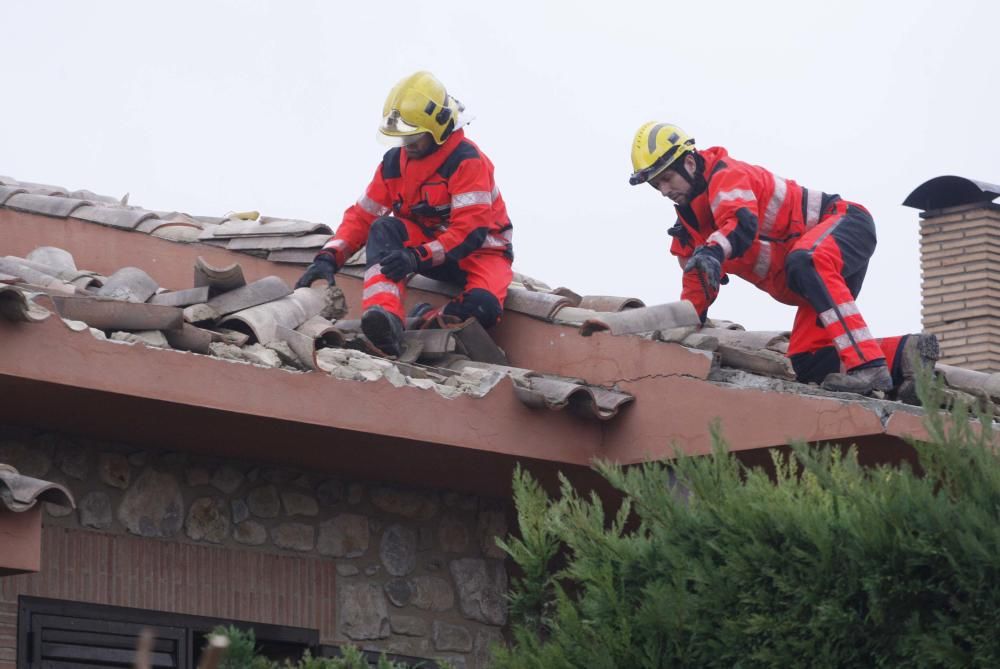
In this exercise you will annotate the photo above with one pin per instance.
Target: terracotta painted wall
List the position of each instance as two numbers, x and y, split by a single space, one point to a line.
407 571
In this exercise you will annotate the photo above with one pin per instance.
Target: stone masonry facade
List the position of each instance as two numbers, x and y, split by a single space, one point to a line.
960 265
414 572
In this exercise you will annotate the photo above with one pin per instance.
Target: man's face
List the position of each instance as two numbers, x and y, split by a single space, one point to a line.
671 184
422 146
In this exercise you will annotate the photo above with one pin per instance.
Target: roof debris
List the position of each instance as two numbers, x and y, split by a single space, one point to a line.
266 323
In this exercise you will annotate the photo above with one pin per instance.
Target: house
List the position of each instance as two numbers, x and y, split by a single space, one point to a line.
238 457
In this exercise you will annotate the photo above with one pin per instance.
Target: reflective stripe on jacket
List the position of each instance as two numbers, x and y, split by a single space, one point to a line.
753 216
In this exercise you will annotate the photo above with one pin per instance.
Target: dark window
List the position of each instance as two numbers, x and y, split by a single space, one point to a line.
57 634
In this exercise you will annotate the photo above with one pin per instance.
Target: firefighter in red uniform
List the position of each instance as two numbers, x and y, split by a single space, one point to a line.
804 247
432 208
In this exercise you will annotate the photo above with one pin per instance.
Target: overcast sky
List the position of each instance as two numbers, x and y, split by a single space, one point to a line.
208 107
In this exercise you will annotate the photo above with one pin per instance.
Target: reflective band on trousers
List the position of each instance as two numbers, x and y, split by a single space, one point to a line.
730 195
829 317
459 200
378 288
723 243
437 252
494 242
774 204
763 264
373 271
372 207
843 342
814 205
338 244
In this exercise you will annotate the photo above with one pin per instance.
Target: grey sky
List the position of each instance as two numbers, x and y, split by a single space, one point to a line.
208 107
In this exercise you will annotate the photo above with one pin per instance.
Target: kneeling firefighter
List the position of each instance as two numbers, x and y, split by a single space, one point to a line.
432 208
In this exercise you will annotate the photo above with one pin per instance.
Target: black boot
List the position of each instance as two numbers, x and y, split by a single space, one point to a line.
384 330
860 380
919 351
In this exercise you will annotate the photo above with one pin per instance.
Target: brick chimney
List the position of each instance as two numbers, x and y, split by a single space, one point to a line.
960 269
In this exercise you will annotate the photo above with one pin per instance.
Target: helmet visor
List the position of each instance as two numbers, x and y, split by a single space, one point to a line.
394 125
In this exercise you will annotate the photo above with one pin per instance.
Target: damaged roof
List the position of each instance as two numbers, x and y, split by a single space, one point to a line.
220 289
21 493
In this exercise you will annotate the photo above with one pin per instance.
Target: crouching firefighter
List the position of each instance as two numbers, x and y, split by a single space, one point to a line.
804 247
432 208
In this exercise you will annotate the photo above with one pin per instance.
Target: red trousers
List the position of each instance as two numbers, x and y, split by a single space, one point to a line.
483 274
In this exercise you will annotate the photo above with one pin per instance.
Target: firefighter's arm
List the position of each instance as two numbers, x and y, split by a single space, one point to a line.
736 212
471 190
352 233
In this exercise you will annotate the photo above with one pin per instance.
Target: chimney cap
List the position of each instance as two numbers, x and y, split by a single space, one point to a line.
950 191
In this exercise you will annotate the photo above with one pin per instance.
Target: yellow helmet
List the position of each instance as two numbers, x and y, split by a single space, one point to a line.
419 103
656 147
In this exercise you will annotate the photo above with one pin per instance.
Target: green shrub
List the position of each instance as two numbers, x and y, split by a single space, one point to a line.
242 654
819 562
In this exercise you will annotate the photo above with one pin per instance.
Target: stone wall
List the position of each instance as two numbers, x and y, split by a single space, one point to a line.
417 572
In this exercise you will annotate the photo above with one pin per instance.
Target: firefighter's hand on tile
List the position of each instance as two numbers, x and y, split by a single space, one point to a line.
323 267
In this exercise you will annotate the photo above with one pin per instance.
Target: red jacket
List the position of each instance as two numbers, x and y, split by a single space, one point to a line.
451 194
754 216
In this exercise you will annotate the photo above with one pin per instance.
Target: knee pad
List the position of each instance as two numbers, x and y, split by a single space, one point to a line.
798 265
476 303
385 234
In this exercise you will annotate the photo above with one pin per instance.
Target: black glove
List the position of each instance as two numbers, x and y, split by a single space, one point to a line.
398 264
323 267
707 261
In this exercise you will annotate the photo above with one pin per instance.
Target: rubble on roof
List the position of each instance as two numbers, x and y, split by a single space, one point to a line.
266 323
21 493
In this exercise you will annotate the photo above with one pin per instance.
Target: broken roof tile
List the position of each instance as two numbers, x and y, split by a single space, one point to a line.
46 205
21 493
301 344
643 319
28 274
130 284
218 279
190 338
252 294
320 328
475 342
109 314
181 298
116 217
554 393
971 381
609 303
533 303
759 361
17 305
290 311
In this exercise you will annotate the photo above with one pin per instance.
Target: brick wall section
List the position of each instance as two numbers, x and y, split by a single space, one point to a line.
121 570
960 267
